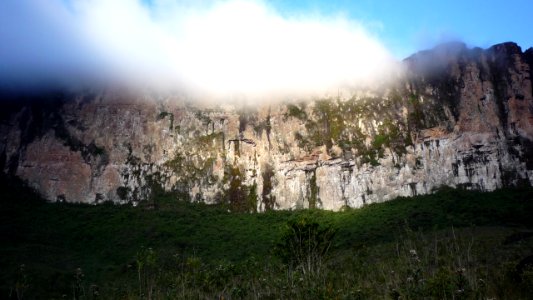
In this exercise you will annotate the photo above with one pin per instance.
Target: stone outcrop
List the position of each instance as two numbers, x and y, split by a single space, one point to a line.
458 117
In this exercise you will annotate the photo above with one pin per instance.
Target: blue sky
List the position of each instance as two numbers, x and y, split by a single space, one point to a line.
240 45
410 25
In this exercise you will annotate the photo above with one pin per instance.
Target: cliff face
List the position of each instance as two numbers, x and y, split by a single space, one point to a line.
458 117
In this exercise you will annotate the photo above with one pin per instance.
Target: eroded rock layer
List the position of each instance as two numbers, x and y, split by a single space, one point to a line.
458 117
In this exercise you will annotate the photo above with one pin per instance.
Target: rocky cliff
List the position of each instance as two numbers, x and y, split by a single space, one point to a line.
458 117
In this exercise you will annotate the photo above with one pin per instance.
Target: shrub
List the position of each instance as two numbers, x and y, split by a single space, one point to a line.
305 245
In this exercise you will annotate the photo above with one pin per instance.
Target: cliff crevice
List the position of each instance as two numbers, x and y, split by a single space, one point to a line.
458 117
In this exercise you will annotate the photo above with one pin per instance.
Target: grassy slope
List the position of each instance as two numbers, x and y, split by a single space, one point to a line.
52 240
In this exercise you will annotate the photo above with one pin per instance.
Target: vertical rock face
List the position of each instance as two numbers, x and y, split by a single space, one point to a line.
458 117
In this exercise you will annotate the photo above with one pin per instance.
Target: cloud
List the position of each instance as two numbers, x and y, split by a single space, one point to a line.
219 47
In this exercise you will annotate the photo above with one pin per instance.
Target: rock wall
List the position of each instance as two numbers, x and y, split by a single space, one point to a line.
458 117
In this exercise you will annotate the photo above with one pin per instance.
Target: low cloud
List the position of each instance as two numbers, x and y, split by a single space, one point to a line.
221 48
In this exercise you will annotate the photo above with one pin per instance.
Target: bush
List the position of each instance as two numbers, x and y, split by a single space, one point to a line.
305 245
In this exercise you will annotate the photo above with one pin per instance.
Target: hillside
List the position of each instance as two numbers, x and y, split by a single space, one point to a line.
198 251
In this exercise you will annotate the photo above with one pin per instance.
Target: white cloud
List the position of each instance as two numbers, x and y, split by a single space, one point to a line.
222 47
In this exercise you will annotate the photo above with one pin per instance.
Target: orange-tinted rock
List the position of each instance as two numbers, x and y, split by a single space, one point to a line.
459 117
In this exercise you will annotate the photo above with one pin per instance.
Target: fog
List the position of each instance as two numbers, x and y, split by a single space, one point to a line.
218 48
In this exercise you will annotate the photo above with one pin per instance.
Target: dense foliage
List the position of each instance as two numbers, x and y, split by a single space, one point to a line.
452 244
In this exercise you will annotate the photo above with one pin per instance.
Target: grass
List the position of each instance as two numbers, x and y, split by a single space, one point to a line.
200 251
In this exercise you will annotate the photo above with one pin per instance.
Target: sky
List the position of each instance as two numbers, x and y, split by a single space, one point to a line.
408 26
239 46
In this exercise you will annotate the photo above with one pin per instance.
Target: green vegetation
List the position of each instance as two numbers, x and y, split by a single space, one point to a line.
203 117
452 244
196 160
295 111
239 197
366 127
268 199
265 126
336 122
162 115
313 197
416 114
305 246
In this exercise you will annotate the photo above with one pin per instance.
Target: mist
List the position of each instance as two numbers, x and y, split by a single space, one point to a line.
216 48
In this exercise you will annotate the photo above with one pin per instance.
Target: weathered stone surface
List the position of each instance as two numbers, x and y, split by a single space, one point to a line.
458 117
